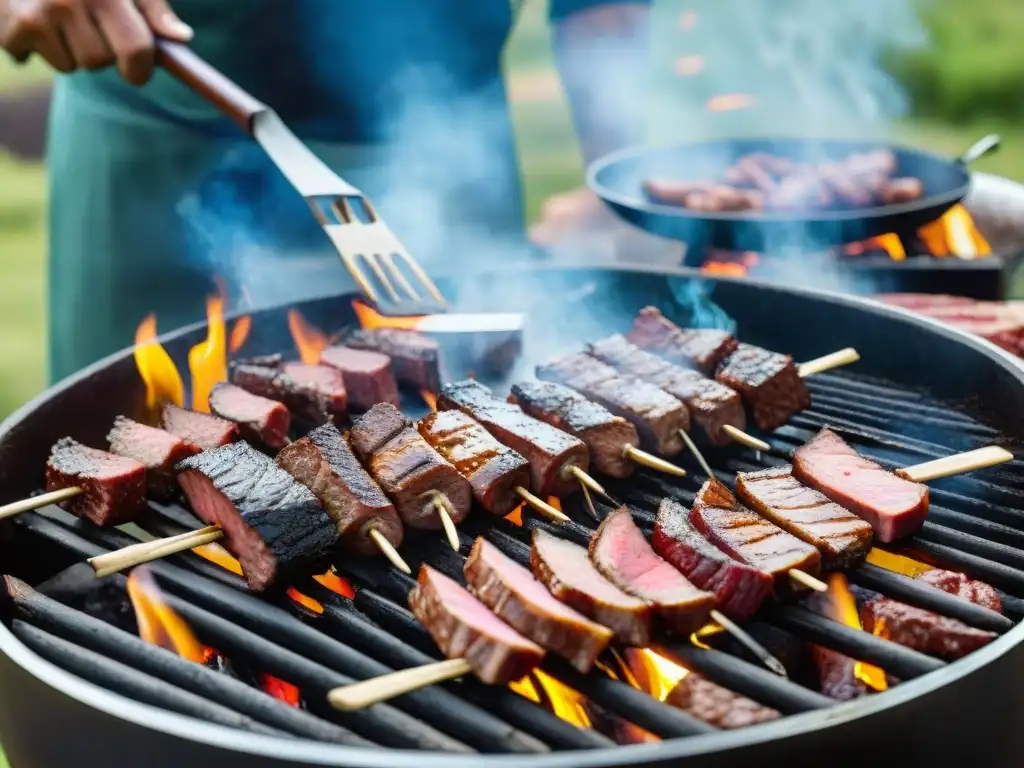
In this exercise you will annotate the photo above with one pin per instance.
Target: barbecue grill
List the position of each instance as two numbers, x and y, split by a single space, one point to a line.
72 688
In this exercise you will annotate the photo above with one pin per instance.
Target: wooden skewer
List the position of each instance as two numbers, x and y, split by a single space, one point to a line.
749 643
806 580
956 464
440 504
366 693
389 551
541 506
145 551
643 457
743 438
589 482
692 447
828 362
590 503
36 502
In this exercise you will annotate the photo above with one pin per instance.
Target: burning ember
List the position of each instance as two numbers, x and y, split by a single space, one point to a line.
310 341
844 610
207 361
163 382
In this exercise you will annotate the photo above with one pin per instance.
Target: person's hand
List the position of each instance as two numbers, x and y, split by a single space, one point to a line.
90 33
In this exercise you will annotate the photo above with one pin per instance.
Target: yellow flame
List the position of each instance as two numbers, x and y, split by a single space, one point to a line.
653 673
335 583
526 689
370 318
430 399
309 340
158 372
207 361
844 607
158 623
897 563
566 703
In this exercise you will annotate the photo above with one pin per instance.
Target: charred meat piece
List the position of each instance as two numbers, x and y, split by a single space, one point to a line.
836 674
551 452
464 628
702 348
965 588
323 462
922 630
524 604
769 383
258 418
565 569
313 392
619 550
367 375
895 507
842 538
158 451
748 537
739 588
657 416
605 434
271 523
113 487
201 429
407 468
711 405
493 469
415 357
718 706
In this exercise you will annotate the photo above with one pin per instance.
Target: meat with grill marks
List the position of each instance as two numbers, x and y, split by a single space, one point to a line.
842 538
551 452
368 376
711 405
493 469
896 508
324 463
273 524
657 415
524 604
748 537
768 382
416 358
739 588
312 392
200 429
156 449
606 435
703 348
718 706
259 419
407 468
113 487
464 628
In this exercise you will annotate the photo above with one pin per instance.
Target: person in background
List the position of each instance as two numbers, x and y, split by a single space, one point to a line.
153 192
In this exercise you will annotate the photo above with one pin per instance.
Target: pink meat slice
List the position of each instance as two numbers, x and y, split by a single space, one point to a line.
113 487
259 418
201 429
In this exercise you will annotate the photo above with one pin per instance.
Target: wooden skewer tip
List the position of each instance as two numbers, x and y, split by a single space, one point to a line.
541 506
743 438
956 464
147 551
846 356
588 481
692 448
749 643
590 503
443 512
389 551
806 580
653 462
36 502
366 693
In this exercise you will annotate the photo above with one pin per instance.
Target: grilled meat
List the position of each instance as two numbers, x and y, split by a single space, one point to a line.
895 507
271 523
313 392
836 674
201 429
464 628
657 415
113 487
965 588
703 348
158 451
769 383
711 405
550 451
619 550
524 604
368 376
739 588
407 468
415 357
605 434
922 630
902 190
323 462
749 538
494 470
718 706
842 538
565 569
259 419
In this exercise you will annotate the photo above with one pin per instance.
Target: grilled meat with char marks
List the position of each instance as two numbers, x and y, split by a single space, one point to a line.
200 429
416 358
718 706
962 586
769 383
157 450
703 348
259 419
313 392
368 376
113 487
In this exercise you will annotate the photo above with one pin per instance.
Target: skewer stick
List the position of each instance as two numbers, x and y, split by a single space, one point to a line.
590 503
36 502
806 580
366 693
828 362
749 643
956 464
588 481
743 438
441 506
541 506
389 551
145 551
691 446
643 457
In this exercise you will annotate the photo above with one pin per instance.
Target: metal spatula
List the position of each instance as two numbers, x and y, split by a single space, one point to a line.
344 212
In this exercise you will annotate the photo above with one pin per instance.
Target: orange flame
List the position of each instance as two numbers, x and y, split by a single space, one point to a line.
516 515
158 623
724 268
370 318
897 563
336 584
158 372
566 703
305 600
310 341
430 399
653 673
207 361
217 555
730 102
955 234
686 66
239 333
279 689
555 502
844 609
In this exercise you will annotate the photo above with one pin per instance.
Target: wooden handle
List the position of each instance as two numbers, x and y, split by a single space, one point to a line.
956 464
182 62
378 689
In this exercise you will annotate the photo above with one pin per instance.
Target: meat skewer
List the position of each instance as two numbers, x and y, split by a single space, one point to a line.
313 392
259 419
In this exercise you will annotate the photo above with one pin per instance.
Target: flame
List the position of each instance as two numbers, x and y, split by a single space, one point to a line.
217 555
724 268
430 399
310 341
730 102
336 584
689 65
955 234
305 600
653 673
279 689
239 333
158 623
897 563
566 703
370 318
555 502
516 515
163 382
526 689
708 630
844 609
207 361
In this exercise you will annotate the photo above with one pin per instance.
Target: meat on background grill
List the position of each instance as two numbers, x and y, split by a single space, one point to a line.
711 405
842 538
605 434
960 585
703 348
895 507
416 358
768 382
113 487
716 705
619 551
836 674
493 469
464 628
324 463
259 419
272 523
407 468
523 603
566 570
903 190
156 449
550 451
368 376
739 588
312 392
201 429
657 415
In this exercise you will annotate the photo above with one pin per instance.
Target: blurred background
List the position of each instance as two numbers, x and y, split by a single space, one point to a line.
936 74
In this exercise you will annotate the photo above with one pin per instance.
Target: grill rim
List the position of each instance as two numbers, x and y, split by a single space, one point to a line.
300 751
